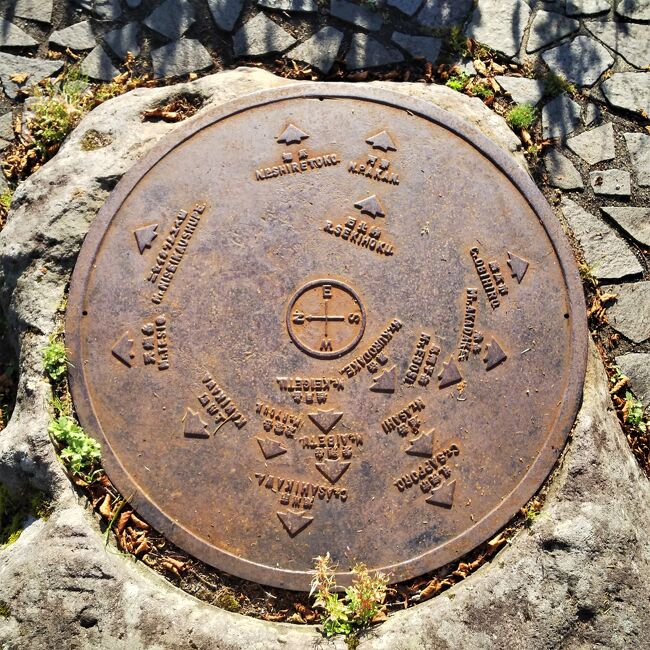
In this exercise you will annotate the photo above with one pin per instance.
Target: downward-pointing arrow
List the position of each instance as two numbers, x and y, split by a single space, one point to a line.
271 448
325 420
332 470
294 522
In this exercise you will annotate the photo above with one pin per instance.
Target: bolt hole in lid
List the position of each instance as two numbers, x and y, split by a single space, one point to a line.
312 319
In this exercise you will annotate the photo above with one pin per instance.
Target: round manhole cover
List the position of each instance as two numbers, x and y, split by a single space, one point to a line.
323 319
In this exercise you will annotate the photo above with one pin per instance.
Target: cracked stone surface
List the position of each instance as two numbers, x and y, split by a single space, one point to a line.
631 41
423 47
179 58
607 255
613 182
172 18
521 89
562 172
636 366
630 314
587 7
560 117
39 10
634 9
225 12
306 6
13 36
595 145
581 61
367 52
635 221
321 49
628 90
443 13
500 25
638 146
98 65
548 27
260 35
355 14
79 36
37 69
407 7
123 40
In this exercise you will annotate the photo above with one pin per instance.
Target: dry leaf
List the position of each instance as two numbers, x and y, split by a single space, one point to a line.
19 77
139 523
105 509
480 67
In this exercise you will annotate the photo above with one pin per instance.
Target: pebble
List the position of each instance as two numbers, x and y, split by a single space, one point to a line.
421 47
636 367
37 69
180 58
500 25
79 36
562 172
439 14
595 145
638 146
172 18
635 221
632 42
521 89
628 90
360 16
367 52
123 40
320 50
630 314
225 12
548 27
98 65
260 35
581 61
12 36
612 182
560 117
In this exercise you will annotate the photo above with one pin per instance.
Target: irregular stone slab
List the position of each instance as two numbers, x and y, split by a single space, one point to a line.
595 145
225 12
423 47
636 367
260 35
320 50
628 90
634 9
613 182
500 25
98 65
355 14
607 255
39 10
407 7
591 114
290 5
635 221
638 146
581 61
124 40
7 126
37 69
179 58
562 172
438 14
79 36
560 117
521 89
548 27
12 36
632 42
630 314
367 52
107 9
172 18
586 7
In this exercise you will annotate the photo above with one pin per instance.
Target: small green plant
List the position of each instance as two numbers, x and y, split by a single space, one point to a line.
457 41
54 360
555 84
458 81
633 410
15 509
79 452
5 204
482 90
521 116
358 605
588 274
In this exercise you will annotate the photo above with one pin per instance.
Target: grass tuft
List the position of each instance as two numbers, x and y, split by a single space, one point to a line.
521 116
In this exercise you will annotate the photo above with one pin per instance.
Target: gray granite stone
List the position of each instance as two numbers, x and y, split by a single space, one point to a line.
500 25
591 114
548 27
7 126
521 89
635 221
79 36
608 256
423 47
225 12
562 172
355 14
320 50
367 52
124 39
12 36
636 367
586 7
560 117
630 314
632 42
260 35
612 182
39 10
172 18
443 13
180 58
581 61
634 9
595 145
98 65
37 69
628 90
407 7
638 146
107 9
306 6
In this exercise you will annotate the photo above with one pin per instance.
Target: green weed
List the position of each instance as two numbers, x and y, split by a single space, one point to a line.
482 90
633 411
359 604
555 84
457 41
55 360
458 81
521 116
80 453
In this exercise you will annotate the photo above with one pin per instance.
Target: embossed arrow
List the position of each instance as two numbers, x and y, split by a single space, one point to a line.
271 448
294 522
444 495
332 470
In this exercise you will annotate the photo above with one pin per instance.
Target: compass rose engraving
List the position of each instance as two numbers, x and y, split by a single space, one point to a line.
326 319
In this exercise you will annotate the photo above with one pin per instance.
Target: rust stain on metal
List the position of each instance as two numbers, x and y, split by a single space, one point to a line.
319 319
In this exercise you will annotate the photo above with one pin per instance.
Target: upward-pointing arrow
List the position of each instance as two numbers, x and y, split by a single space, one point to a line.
495 355
450 374
292 135
518 266
144 236
382 141
443 496
422 445
384 383
371 206
325 420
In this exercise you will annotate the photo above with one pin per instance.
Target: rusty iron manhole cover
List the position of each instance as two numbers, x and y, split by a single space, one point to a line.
323 319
